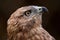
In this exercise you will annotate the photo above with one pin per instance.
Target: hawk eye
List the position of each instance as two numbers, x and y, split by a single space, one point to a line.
27 13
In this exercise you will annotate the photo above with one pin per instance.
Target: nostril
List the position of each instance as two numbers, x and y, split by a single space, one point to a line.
39 8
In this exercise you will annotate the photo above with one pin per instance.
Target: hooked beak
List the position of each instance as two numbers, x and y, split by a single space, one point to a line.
41 9
44 10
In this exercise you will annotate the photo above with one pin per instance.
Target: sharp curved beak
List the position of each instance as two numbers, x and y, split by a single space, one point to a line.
44 10
41 9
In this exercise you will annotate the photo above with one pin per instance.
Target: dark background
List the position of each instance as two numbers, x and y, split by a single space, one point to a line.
51 20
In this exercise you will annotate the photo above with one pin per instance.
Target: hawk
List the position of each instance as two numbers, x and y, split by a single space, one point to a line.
26 24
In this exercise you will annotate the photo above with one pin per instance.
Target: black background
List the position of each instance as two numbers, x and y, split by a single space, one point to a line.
51 20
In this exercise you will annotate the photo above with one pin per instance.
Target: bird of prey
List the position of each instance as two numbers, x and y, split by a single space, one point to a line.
26 24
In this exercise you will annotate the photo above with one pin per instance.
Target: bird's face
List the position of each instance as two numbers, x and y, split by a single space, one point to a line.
29 16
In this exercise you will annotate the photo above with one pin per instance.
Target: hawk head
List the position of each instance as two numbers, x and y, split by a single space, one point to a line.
25 18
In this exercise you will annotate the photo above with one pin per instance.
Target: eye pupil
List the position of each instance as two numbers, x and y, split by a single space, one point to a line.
27 13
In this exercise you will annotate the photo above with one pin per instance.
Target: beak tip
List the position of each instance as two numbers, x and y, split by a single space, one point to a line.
44 9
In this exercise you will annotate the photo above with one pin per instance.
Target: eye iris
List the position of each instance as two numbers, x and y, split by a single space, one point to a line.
27 13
